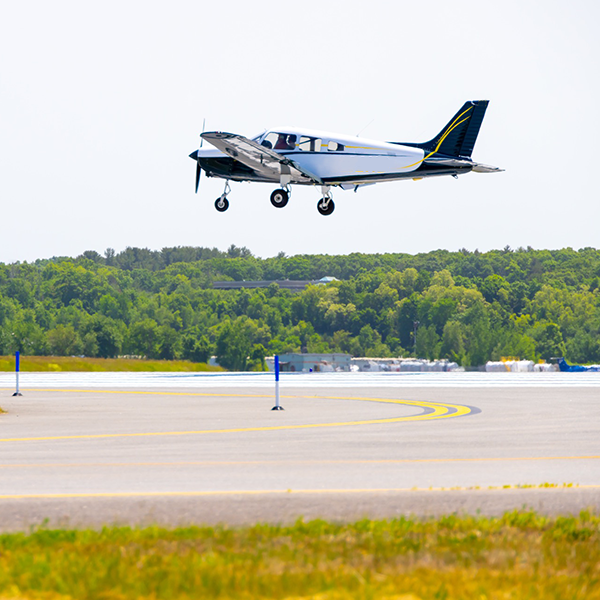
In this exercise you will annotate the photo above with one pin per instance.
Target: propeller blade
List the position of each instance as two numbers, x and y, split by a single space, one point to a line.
198 173
195 155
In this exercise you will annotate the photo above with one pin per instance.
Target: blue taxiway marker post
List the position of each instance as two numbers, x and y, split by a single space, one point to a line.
277 405
17 369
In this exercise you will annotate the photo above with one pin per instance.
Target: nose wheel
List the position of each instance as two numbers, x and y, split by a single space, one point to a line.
221 203
325 205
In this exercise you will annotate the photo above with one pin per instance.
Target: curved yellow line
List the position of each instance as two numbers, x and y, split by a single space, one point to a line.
452 126
439 411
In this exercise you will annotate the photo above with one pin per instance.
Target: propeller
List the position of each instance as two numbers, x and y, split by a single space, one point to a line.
198 173
198 167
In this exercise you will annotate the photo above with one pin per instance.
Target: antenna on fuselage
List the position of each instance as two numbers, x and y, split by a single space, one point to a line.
358 134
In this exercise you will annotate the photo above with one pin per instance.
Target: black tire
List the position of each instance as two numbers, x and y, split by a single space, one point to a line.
279 198
325 210
221 204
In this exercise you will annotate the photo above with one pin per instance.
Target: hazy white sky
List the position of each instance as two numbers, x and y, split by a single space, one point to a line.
101 104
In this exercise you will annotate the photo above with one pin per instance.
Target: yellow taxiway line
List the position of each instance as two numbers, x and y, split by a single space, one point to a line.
437 411
507 488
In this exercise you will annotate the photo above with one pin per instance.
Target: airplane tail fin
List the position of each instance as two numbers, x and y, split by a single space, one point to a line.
459 135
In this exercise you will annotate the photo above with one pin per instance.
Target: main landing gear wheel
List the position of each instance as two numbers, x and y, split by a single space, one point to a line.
279 198
325 206
221 204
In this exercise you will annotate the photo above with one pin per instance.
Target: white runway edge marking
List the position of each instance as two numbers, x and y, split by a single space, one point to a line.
303 380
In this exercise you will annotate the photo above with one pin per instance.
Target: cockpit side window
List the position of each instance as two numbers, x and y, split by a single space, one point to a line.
309 144
335 147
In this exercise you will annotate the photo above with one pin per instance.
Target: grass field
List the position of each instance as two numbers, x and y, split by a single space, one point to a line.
518 555
74 363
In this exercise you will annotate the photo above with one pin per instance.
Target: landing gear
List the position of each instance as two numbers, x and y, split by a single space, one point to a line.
325 205
221 203
279 198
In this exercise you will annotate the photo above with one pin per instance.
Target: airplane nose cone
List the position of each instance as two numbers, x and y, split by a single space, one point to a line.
194 155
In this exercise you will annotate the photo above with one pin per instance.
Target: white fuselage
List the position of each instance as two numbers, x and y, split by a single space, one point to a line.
330 156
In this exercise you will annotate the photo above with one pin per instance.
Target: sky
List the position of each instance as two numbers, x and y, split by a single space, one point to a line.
101 104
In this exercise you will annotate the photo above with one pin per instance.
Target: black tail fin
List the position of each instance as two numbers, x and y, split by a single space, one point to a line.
459 135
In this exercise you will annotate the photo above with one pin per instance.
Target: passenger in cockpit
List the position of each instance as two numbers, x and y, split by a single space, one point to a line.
281 143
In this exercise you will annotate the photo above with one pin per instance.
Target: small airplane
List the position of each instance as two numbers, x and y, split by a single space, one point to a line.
289 155
565 367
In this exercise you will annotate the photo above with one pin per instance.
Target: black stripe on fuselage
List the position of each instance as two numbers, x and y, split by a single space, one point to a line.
229 168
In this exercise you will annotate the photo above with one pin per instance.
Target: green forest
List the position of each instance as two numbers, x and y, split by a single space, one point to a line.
469 307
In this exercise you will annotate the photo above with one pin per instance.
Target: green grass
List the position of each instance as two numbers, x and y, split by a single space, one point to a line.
518 555
74 363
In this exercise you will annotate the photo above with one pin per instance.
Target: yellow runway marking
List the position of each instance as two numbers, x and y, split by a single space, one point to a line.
250 463
437 411
281 492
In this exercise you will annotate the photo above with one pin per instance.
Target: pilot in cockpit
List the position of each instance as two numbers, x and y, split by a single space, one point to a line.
291 141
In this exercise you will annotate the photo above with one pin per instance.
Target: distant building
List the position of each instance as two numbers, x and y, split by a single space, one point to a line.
402 364
287 284
313 362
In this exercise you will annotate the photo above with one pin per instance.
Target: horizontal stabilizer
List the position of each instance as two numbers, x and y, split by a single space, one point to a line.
448 162
460 162
481 168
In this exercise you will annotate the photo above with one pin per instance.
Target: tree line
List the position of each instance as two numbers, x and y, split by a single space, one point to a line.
465 306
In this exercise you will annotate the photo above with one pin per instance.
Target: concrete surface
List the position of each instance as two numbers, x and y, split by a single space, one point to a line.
90 457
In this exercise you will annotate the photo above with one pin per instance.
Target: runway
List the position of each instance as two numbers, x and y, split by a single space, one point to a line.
83 451
149 380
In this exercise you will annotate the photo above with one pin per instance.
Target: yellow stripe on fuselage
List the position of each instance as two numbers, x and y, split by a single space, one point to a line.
451 128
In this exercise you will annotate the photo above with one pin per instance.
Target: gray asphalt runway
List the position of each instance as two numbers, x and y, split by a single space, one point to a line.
90 457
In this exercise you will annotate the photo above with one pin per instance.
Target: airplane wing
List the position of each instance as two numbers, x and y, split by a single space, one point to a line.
263 160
